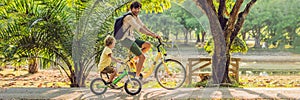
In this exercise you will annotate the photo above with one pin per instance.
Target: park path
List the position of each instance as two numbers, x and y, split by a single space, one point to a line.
152 93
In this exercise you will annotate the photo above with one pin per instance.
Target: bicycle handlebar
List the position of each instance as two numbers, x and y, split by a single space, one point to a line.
160 43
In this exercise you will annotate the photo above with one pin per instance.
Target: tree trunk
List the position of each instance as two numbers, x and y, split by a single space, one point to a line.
226 78
257 39
190 33
186 32
218 58
257 42
244 35
33 66
198 38
203 36
73 81
224 31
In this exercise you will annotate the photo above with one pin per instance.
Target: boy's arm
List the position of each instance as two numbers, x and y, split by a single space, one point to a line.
114 59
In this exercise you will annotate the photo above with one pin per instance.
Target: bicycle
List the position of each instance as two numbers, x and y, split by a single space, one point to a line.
132 86
169 73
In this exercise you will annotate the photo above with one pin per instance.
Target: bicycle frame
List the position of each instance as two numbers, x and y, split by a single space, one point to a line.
121 76
99 85
159 56
125 72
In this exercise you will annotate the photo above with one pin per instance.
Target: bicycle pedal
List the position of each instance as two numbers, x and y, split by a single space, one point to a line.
117 88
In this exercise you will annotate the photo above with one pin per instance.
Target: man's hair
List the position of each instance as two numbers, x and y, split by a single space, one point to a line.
135 4
109 40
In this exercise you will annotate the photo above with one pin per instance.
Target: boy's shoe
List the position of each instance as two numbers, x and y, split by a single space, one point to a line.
108 82
113 86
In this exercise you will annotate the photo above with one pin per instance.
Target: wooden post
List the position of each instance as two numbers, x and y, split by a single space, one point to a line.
189 72
195 61
237 69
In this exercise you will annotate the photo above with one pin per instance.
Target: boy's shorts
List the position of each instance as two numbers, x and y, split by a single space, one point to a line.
108 69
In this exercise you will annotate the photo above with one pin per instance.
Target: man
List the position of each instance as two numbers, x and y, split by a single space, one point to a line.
136 46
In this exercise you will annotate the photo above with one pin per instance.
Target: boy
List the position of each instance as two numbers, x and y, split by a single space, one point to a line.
106 57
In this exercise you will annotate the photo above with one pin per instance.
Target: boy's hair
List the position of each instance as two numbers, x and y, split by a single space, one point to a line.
135 4
109 40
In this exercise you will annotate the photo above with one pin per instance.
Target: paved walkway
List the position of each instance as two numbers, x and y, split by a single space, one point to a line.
150 93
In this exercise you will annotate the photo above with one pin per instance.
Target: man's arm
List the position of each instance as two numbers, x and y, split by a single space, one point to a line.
141 28
146 31
146 28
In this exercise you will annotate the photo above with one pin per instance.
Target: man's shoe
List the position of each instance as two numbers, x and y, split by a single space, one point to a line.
137 77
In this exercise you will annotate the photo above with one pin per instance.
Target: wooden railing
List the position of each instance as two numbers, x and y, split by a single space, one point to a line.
192 62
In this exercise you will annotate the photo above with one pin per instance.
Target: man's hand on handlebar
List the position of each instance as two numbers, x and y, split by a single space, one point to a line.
157 36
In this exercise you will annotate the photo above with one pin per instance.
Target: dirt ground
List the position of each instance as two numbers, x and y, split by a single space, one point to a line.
56 79
44 78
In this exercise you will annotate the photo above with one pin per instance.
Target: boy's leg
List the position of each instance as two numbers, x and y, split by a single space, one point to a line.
112 72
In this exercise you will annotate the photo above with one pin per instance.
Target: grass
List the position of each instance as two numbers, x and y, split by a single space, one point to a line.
258 82
295 50
286 81
12 72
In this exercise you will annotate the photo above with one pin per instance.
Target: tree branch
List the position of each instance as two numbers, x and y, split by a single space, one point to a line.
211 4
204 6
241 19
221 10
233 16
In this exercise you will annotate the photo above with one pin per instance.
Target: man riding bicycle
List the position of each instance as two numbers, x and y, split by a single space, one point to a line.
136 46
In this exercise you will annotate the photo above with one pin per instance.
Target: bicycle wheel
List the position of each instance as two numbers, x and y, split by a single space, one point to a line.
171 74
133 86
98 86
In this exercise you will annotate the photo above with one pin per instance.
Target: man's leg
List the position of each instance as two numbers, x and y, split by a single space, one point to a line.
137 51
140 64
145 46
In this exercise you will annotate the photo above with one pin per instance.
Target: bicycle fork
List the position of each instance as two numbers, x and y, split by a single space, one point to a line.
159 55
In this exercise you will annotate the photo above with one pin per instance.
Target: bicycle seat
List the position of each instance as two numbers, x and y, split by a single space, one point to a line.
104 72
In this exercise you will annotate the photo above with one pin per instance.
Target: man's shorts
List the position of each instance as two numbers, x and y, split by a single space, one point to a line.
135 47
108 69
